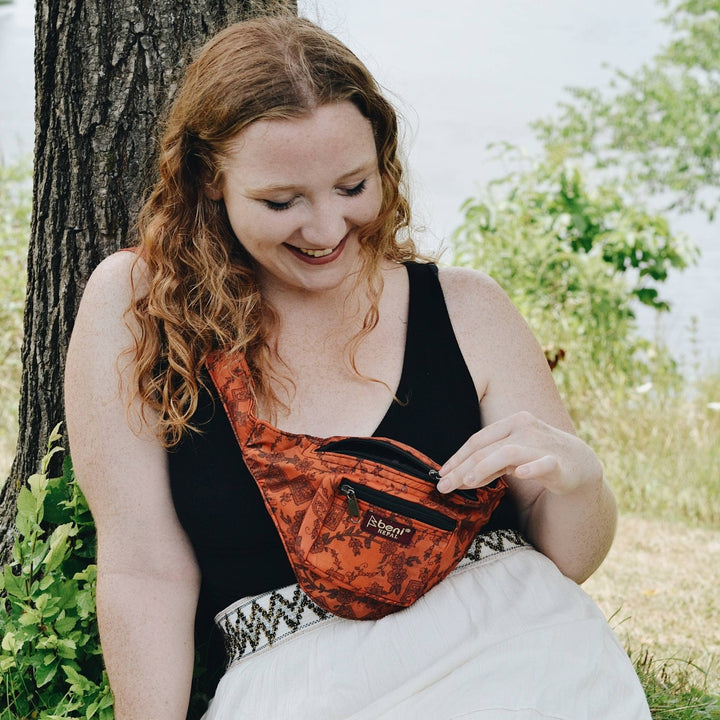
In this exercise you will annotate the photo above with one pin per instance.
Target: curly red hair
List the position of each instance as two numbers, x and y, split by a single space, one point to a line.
203 294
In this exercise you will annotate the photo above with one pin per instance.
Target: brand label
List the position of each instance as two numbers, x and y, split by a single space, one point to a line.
384 528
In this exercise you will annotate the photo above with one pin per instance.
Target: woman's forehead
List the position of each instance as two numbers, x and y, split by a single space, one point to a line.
336 137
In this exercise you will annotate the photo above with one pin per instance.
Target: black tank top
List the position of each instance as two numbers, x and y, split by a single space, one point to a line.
220 507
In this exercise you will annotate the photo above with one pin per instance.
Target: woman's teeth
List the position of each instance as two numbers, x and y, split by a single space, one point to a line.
316 253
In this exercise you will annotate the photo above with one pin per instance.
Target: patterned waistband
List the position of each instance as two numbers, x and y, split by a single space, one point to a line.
254 624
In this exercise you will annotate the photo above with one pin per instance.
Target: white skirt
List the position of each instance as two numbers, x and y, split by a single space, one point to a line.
505 637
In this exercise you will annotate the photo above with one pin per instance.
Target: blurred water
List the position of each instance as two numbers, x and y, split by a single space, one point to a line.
17 99
463 73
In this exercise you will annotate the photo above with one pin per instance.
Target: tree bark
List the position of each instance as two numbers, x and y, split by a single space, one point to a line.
104 72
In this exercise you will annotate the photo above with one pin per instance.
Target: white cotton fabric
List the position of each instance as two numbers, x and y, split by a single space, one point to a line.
506 638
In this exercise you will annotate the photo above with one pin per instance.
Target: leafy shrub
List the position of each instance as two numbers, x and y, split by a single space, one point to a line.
574 257
50 657
657 127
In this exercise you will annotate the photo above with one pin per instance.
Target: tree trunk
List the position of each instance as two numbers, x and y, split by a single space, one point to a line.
104 72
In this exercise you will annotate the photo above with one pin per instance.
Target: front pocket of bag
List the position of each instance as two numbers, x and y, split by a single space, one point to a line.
355 493
379 545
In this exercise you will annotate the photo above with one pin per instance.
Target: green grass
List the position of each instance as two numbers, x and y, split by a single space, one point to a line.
670 693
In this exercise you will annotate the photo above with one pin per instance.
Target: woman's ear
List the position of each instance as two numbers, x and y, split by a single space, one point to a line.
213 193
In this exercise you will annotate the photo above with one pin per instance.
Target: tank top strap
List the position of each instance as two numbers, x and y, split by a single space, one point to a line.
428 318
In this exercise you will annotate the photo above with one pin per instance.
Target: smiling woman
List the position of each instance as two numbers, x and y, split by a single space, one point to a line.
389 401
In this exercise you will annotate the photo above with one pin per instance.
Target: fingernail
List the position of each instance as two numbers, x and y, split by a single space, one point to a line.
443 486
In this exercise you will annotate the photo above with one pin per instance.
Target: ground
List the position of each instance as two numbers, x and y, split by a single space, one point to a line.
660 589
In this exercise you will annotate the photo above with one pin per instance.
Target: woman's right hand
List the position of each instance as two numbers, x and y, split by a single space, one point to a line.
148 578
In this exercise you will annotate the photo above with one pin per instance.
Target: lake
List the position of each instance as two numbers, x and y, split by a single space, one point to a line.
464 73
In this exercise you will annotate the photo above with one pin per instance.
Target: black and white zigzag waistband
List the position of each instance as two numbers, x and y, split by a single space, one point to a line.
254 624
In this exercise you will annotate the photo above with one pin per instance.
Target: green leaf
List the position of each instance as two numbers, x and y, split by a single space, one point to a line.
7 664
14 586
79 684
66 593
45 673
45 462
64 624
32 561
49 642
55 436
38 485
41 602
27 505
46 582
58 546
9 643
73 676
67 649
29 617
85 603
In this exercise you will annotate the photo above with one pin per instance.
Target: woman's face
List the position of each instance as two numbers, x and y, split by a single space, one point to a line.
296 192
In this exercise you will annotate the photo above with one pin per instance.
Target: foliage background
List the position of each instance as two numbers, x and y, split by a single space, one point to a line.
15 208
657 130
50 656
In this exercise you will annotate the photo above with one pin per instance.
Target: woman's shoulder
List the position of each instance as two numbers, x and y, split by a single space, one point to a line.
119 262
471 293
113 285
496 342
124 270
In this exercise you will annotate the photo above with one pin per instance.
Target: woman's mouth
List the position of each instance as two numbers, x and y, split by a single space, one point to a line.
318 256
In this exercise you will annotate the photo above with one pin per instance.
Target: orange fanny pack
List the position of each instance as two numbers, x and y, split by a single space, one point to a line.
364 528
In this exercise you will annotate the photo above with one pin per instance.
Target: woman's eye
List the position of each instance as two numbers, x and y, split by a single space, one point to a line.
356 190
277 206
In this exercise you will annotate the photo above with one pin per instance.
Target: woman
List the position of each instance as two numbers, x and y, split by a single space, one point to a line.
278 232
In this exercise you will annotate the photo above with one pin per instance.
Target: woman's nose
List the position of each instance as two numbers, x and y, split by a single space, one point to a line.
325 225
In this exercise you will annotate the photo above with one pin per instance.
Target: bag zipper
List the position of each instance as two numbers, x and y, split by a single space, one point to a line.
354 492
382 452
386 453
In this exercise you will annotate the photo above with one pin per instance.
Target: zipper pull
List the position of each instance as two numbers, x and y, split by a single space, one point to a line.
434 476
352 502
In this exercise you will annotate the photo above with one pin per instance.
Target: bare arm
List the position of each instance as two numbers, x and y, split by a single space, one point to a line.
147 575
566 509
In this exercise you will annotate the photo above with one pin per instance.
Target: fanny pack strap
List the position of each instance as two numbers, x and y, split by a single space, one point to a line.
231 376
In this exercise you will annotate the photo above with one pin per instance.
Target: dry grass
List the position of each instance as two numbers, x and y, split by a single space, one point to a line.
660 588
7 454
658 443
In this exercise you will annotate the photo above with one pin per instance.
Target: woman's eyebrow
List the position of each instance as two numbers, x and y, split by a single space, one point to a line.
365 167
